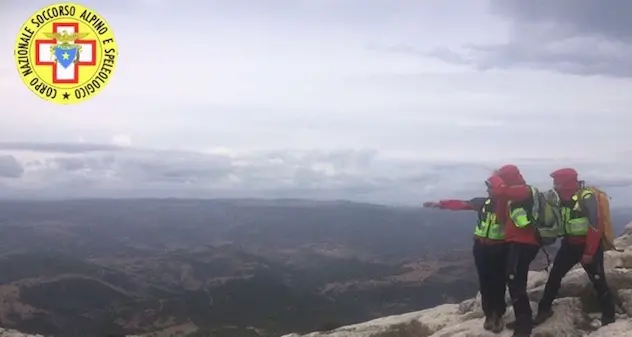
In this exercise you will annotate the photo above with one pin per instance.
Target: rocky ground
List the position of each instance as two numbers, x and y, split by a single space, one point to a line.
13 333
576 310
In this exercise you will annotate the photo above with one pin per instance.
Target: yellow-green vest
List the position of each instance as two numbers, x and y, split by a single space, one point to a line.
488 226
576 223
518 210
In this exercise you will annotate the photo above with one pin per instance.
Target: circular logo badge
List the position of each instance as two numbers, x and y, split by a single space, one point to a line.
66 53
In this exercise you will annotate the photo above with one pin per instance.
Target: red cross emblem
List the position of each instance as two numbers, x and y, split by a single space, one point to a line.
70 74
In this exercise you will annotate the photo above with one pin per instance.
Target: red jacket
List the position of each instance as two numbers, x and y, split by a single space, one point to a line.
457 205
508 185
591 241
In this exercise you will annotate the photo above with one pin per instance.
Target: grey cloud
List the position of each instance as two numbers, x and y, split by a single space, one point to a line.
358 175
344 174
613 182
58 147
256 171
145 166
583 37
10 167
609 19
573 56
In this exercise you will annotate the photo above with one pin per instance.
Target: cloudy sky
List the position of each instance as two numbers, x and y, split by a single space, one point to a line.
389 101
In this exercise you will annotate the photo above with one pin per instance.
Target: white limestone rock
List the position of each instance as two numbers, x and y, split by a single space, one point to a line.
574 309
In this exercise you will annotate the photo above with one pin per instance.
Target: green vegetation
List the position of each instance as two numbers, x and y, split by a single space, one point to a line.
21 266
114 267
224 332
72 296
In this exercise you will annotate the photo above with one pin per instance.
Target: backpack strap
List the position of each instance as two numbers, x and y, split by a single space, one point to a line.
535 210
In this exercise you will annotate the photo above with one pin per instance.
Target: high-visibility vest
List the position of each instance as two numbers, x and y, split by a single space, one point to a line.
525 212
576 222
488 226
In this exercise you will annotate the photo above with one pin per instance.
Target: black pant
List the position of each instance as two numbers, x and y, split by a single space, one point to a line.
519 258
490 260
567 257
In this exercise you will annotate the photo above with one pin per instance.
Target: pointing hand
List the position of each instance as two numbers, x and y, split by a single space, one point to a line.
431 204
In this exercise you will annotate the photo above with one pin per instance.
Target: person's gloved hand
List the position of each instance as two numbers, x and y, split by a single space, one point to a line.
431 204
494 182
495 185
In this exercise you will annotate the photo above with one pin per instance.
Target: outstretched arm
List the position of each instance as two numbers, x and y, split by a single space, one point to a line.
473 204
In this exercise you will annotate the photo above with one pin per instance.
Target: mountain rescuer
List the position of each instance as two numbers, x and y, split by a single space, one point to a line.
581 242
515 201
489 255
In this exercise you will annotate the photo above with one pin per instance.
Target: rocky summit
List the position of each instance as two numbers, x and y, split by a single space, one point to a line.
576 312
13 333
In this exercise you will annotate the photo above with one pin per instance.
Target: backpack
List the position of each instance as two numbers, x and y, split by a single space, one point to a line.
547 215
603 217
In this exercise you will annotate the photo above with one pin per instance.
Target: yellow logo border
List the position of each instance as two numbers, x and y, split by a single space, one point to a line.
42 26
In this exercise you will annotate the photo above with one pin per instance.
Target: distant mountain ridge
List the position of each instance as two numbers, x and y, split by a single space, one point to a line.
159 266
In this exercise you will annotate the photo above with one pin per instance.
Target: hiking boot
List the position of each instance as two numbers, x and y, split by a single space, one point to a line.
510 325
499 325
606 320
521 334
489 322
542 316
